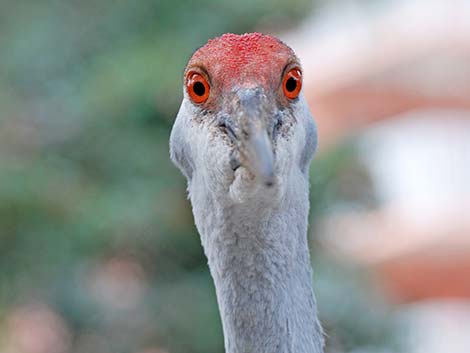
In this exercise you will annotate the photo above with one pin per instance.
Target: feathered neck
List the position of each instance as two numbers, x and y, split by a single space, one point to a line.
259 260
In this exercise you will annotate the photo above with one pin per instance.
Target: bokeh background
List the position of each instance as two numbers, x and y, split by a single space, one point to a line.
98 251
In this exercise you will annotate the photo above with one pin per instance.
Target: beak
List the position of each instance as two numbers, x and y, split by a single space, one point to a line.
260 155
254 115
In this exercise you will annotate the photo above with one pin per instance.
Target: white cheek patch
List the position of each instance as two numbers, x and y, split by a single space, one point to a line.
310 136
243 185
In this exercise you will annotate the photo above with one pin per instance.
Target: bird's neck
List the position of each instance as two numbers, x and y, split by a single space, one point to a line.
260 263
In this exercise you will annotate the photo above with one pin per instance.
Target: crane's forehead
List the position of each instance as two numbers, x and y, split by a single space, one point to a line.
243 60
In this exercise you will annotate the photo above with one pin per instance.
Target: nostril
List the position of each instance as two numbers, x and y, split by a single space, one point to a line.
227 129
277 127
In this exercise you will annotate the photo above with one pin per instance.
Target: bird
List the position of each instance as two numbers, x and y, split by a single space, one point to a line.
244 138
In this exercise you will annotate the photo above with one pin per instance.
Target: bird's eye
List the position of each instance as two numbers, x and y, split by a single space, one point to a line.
198 87
292 83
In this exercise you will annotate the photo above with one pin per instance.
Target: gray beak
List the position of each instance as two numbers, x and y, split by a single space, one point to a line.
260 155
254 115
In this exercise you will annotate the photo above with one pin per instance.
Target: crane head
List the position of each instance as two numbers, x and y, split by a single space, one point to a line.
243 128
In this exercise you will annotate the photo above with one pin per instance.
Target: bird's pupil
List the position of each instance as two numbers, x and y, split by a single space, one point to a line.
199 88
291 84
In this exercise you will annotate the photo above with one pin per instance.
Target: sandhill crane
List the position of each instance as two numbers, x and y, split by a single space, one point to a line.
244 138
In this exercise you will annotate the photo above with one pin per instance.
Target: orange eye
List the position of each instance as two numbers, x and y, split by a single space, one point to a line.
198 87
292 83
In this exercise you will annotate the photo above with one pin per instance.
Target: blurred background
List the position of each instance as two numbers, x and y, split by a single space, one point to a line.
98 250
